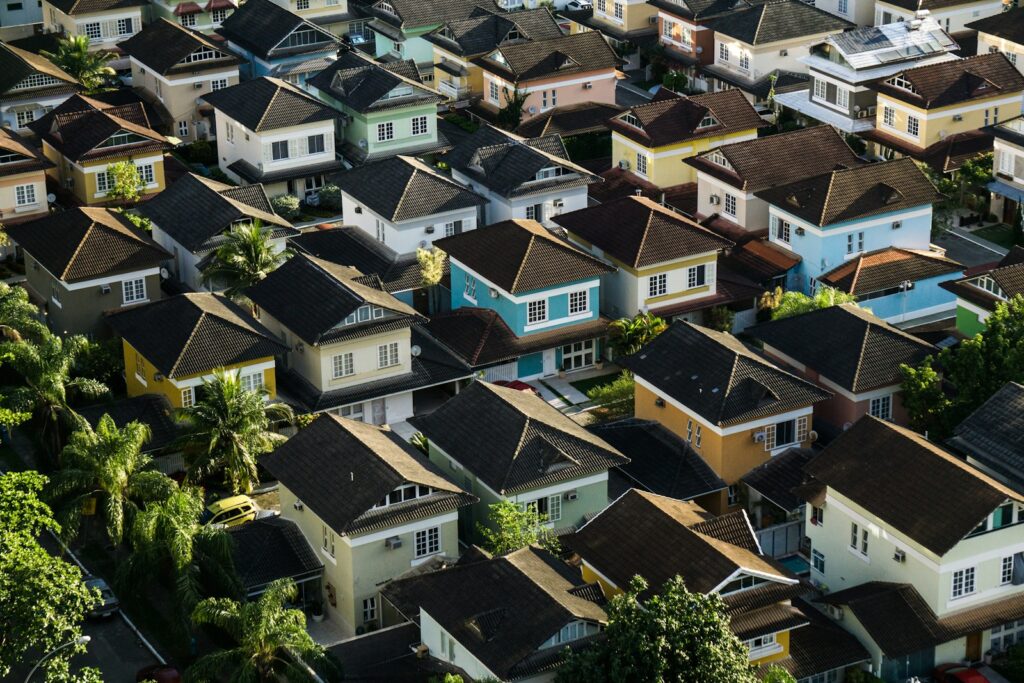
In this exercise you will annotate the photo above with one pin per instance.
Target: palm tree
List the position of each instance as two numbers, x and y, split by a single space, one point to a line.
19 318
106 464
794 303
629 335
227 428
45 368
246 258
73 56
271 640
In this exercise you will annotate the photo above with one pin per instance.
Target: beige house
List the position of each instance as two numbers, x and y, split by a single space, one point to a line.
952 15
105 22
22 179
1004 33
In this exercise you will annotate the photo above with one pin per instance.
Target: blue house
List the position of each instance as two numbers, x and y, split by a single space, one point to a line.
865 230
524 302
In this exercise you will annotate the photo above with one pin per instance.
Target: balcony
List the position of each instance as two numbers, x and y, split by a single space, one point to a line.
452 91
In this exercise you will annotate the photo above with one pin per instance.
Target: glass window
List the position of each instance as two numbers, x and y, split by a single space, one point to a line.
352 412
219 84
387 355
1006 571
370 609
134 290
696 276
881 407
913 125
428 542
537 311
279 149
124 26
732 494
470 290
328 539
219 15
315 144
188 397
698 437
818 561
385 131
744 60
187 20
729 205
844 7
723 52
344 365
666 28
419 125
657 285
25 117
493 92
183 129
963 582
25 195
889 116
93 31
618 10
578 302
843 97
554 508
252 381
854 242
820 88
641 163
782 230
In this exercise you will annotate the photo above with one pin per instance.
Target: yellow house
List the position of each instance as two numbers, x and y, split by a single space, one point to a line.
621 22
172 345
925 112
85 135
651 140
22 179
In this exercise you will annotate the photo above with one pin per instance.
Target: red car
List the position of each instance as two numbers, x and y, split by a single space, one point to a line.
958 673
517 385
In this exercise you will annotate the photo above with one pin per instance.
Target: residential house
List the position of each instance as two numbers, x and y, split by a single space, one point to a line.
31 86
954 16
982 289
664 262
651 140
571 121
990 436
85 135
844 67
275 42
728 176
684 30
734 407
550 73
176 67
523 456
660 538
336 16
272 133
507 618
406 204
775 511
386 109
204 17
519 177
371 505
192 217
104 22
1002 32
84 261
268 549
915 593
400 27
173 345
353 349
853 354
1007 186
923 111
541 293
625 24
865 230
22 179
19 17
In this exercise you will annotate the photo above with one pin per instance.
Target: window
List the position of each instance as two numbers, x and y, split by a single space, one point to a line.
315 144
124 26
854 534
844 7
578 355
689 431
744 60
352 412
820 89
134 290
387 355
723 52
631 120
344 365
782 229
1006 635
602 6
25 195
641 163
666 28
188 397
549 506
279 150
760 643
14 6
219 84
818 561
93 31
859 537
328 539
657 285
536 311
252 381
707 121
817 516
385 131
854 242
103 181
696 276
493 92
187 20
229 131
146 174
989 285
729 205
1006 571
963 583
889 116
301 4
470 290
784 433
881 407
302 37
843 97
732 493
25 117
428 542
219 15
419 125
381 230
535 212
801 429
578 302
618 10
698 438
183 129
913 126
369 609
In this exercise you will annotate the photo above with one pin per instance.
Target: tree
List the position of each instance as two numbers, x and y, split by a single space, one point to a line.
720 318
107 464
516 527
246 258
227 428
511 115
1017 229
125 182
677 636
629 335
794 303
271 642
431 263
19 318
74 57
776 674
615 399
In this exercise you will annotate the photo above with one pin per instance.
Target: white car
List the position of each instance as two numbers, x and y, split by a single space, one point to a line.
576 5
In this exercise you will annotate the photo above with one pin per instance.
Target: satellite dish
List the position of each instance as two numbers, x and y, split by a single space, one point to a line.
415 351
165 274
51 198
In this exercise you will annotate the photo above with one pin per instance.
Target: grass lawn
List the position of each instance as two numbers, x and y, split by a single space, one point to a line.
1001 234
585 385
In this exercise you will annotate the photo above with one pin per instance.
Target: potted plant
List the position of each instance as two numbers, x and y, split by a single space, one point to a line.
561 371
316 610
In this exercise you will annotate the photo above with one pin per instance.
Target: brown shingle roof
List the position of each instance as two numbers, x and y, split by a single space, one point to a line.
675 118
268 104
875 271
81 124
86 6
163 45
953 82
571 54
12 143
575 119
17 64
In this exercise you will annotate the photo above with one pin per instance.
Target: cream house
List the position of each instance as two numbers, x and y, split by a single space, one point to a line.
952 15
1003 32
104 22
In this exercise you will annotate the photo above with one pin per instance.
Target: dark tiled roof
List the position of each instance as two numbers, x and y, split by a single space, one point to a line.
944 156
74 7
1008 24
152 410
361 84
197 211
388 654
190 334
260 25
820 646
501 609
906 471
265 550
1008 274
16 65
411 14
808 152
482 33
850 346
851 193
254 174
402 188
340 469
31 158
162 45
266 104
714 374
86 243
527 445
571 54
776 478
778 20
700 9
659 461
994 434
956 81
875 271
520 255
575 119
769 619
80 124
639 232
675 118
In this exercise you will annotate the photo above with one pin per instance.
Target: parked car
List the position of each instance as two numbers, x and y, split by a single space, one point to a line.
159 674
958 673
230 511
109 603
576 5
517 385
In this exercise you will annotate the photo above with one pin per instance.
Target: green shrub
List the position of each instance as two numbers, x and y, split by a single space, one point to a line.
286 206
330 196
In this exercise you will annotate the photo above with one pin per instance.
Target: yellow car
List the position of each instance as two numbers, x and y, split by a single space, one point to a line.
230 511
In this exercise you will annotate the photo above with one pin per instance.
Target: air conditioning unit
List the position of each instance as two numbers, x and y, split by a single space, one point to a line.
624 164
104 289
493 293
835 611
588 85
571 495
800 232
783 53
393 543
896 225
759 437
197 86
871 110
862 114
429 230
992 49
899 556
958 117
653 20
558 204
715 199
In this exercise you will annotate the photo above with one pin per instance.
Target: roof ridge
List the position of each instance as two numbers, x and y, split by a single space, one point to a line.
266 110
860 356
522 261
405 192
828 193
760 20
856 272
643 238
81 244
519 446
191 335
484 337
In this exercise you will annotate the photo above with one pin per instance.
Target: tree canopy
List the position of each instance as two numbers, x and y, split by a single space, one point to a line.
629 335
88 66
245 258
515 527
787 304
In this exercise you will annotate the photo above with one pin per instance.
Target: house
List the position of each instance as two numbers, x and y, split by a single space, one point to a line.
372 507
22 179
685 33
85 135
652 139
205 18
660 538
844 67
191 218
406 204
530 454
982 289
763 41
154 411
272 133
31 86
460 41
1007 186
914 592
776 513
735 408
172 345
728 176
928 108
104 22
519 177
550 73
990 436
354 350
268 549
176 67
1002 32
275 42
507 618
954 16
336 16
625 24
84 261
17 17
546 292
571 121
664 262
400 27
387 111
853 354
865 230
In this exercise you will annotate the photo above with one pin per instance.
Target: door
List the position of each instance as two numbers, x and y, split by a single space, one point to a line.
973 649
549 362
379 411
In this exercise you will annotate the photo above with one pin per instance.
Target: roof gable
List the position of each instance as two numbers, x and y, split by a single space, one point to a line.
675 118
164 47
953 82
261 26
16 65
265 104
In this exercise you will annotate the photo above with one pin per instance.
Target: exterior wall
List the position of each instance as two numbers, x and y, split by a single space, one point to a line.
185 264
204 21
952 19
970 319
860 12
763 59
9 209
27 100
29 13
361 130
1013 51
682 37
81 178
179 95
57 21
664 164
499 208
436 638
926 298
547 93
414 47
636 15
458 88
936 124
405 237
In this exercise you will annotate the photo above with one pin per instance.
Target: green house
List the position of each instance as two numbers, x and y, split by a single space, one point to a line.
978 293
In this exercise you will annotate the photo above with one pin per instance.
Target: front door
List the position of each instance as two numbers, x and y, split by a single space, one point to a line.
973 650
379 411
549 362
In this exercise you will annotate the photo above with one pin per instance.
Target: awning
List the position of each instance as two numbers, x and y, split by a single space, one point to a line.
220 4
187 8
999 187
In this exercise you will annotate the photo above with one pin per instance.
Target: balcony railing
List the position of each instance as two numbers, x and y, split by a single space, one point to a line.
452 91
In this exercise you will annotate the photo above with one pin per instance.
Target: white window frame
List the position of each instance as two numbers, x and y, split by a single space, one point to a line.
188 397
427 542
418 125
1006 571
93 30
881 407
697 276
343 365
183 129
536 311
220 84
387 355
25 195
328 539
370 609
913 126
579 302
641 163
889 117
133 291
818 561
187 20
963 583
657 285
385 131
729 205
251 381
723 52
